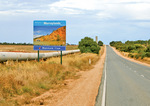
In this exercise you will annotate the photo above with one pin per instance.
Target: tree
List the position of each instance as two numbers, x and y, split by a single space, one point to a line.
148 49
100 43
114 43
88 45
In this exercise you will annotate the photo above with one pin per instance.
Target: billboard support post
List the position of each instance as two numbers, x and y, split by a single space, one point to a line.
38 56
61 58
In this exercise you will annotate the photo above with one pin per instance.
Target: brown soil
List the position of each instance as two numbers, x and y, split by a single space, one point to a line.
124 55
80 92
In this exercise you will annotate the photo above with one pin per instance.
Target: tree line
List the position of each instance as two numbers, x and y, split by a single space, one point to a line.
5 43
136 49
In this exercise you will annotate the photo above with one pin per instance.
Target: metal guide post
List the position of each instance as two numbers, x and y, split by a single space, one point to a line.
38 56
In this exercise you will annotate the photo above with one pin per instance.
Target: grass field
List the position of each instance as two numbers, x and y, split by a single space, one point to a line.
21 81
27 48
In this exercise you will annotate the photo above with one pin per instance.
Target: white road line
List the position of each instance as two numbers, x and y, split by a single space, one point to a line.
104 88
142 75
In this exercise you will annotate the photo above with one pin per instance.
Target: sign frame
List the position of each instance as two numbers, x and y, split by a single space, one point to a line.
53 24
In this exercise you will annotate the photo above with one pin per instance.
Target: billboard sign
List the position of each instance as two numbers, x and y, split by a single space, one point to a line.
49 35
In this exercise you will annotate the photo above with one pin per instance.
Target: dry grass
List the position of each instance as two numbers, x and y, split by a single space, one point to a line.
27 48
21 81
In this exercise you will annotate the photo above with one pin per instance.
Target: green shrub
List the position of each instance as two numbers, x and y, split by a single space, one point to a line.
148 49
131 47
27 89
141 51
100 43
142 57
138 46
130 55
112 43
142 54
137 56
134 51
147 54
43 86
88 45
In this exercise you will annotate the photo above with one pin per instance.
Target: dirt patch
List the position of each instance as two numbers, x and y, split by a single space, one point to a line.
124 55
80 92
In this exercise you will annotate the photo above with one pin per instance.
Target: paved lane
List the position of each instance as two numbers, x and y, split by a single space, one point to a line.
127 83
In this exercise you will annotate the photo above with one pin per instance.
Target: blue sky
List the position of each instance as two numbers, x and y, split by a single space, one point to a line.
108 19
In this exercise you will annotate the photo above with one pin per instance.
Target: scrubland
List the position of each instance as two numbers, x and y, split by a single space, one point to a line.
138 50
21 81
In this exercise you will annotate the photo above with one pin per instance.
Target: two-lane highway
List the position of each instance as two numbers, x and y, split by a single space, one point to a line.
127 83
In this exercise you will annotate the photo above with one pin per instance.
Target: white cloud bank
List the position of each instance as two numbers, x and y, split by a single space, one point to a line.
129 9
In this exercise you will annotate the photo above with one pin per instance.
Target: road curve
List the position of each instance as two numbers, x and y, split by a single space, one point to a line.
127 83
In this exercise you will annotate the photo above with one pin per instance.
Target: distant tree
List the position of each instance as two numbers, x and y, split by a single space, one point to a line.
24 43
149 41
5 43
67 44
88 45
148 49
114 43
100 43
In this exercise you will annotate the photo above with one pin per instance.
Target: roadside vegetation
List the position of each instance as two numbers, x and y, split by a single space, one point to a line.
21 81
88 45
135 49
100 43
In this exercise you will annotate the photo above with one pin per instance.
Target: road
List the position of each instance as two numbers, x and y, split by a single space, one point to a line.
127 83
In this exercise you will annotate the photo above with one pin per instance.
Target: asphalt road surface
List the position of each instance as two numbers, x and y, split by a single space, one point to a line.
127 83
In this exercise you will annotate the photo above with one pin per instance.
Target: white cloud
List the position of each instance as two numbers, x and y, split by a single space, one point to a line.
103 15
129 9
65 11
139 11
77 4
111 9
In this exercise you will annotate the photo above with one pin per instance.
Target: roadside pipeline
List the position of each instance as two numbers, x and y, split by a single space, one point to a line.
15 56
